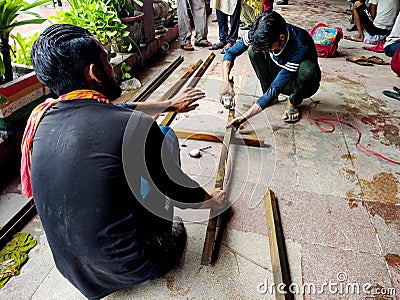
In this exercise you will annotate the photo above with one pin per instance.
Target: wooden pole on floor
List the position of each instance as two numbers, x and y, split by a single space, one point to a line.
152 85
277 248
210 240
167 120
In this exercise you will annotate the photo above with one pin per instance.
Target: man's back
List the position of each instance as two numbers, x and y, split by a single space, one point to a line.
93 222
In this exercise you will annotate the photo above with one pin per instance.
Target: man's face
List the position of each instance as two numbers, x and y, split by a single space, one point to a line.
110 87
274 48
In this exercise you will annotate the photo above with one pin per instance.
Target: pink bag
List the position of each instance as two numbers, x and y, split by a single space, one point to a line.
326 39
395 63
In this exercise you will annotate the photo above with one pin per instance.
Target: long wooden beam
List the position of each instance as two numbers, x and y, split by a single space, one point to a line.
145 91
277 248
169 117
215 137
209 243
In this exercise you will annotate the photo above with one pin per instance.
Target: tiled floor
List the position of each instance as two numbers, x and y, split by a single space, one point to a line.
340 207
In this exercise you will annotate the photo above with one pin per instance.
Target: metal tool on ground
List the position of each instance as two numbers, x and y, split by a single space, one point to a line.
196 153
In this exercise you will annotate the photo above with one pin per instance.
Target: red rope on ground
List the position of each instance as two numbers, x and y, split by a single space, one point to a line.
330 121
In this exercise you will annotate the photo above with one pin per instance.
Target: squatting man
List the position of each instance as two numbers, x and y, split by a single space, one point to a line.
285 61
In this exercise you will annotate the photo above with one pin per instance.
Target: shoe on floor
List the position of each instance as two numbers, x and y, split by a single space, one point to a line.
282 2
203 43
187 47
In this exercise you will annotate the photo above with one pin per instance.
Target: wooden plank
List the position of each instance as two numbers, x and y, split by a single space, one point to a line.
280 266
169 117
209 243
211 137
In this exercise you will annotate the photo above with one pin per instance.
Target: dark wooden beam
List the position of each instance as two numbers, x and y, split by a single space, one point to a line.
210 240
277 248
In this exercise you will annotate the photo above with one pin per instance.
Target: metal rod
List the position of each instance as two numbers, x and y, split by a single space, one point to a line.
209 243
280 266
167 120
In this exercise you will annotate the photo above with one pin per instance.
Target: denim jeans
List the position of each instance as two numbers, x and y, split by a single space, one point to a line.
391 49
222 20
304 84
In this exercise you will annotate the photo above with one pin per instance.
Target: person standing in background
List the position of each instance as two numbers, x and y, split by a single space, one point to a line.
251 9
198 10
223 10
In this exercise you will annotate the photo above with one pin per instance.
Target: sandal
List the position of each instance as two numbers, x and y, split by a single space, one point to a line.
290 112
392 95
187 47
203 43
359 60
377 60
217 46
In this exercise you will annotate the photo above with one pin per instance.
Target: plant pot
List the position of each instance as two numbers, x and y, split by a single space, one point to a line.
17 100
134 26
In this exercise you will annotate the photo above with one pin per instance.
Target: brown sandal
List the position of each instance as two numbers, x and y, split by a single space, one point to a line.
203 44
187 47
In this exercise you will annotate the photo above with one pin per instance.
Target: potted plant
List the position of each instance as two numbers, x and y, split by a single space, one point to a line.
19 95
9 11
133 20
124 8
97 17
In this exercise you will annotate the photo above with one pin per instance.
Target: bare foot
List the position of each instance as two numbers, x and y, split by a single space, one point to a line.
354 38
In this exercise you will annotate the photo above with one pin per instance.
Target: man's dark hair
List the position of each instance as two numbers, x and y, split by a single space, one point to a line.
266 29
60 55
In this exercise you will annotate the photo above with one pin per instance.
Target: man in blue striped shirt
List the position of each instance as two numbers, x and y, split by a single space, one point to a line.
285 61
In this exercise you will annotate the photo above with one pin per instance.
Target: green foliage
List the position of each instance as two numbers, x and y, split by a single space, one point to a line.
125 71
97 17
22 51
9 11
124 8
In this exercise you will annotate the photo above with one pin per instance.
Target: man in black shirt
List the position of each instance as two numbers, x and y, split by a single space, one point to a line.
86 161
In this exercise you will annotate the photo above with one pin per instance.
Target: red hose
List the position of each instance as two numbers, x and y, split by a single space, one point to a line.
330 121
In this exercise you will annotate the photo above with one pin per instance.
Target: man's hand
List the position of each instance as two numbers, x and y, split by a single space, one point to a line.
226 88
215 200
236 122
183 101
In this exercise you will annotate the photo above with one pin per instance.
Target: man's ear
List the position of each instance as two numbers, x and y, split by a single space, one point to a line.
93 75
282 37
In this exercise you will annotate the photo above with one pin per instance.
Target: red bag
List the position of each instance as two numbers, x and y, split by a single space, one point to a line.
395 63
326 39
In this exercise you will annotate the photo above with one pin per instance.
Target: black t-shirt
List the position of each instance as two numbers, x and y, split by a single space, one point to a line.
101 236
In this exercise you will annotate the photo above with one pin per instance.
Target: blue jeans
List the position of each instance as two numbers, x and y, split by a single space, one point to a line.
222 20
391 49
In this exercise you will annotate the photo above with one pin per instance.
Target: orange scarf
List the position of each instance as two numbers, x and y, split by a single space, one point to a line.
33 123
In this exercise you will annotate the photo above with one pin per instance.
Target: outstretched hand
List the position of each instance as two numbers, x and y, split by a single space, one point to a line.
217 199
183 101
